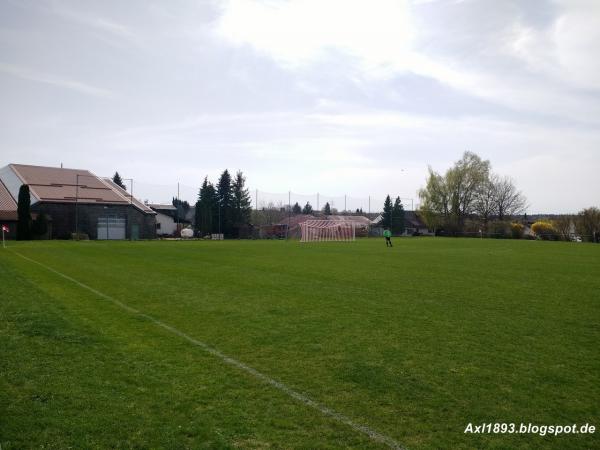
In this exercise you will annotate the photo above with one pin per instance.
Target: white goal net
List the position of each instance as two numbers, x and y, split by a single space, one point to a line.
327 230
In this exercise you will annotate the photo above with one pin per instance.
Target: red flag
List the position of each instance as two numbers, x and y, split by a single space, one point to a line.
5 228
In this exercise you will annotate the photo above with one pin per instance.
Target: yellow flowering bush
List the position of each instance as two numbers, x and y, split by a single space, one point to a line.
517 230
544 229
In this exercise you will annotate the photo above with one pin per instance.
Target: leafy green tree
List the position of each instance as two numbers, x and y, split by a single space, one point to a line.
398 217
387 213
24 214
327 209
308 209
241 205
453 196
225 204
118 180
296 209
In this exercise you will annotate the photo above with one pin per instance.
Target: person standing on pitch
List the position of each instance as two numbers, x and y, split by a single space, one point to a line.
387 234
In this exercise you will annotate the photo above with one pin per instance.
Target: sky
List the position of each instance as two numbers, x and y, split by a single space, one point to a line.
341 97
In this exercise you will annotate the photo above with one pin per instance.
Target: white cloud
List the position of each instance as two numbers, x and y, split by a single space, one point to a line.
301 32
577 34
54 80
383 41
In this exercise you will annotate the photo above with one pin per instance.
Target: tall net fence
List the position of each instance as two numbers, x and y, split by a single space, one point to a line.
317 201
164 193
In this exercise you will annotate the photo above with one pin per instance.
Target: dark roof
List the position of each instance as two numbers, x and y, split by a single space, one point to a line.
413 220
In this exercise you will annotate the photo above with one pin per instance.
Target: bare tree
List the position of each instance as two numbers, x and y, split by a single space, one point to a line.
588 223
509 201
563 225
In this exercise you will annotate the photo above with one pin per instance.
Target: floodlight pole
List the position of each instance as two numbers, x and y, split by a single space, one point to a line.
76 207
256 200
130 207
287 230
318 201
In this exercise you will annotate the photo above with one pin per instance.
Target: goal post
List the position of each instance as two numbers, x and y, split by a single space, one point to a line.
327 230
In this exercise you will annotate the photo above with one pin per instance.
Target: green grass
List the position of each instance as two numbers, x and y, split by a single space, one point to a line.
415 342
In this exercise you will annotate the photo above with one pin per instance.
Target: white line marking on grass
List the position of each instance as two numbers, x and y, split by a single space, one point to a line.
374 435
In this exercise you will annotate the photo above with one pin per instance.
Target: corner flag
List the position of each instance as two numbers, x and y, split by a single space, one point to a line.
4 229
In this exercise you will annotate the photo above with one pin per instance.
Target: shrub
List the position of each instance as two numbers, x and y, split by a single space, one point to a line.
517 230
544 229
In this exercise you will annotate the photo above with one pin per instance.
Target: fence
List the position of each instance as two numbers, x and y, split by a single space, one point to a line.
317 200
157 193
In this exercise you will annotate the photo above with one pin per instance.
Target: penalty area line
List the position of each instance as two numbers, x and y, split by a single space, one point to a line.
302 398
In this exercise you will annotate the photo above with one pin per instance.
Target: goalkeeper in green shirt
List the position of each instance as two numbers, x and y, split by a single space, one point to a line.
387 234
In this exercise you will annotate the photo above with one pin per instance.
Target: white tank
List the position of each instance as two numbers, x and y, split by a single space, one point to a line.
187 233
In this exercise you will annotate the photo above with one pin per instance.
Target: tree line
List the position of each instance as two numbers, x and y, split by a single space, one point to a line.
224 207
566 227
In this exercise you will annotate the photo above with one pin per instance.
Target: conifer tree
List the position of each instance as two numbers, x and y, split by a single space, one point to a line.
398 217
241 205
308 209
225 204
327 209
118 180
296 209
24 214
387 212
206 214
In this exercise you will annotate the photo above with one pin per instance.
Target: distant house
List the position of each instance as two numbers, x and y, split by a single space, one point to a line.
165 219
78 200
292 224
413 225
377 220
362 224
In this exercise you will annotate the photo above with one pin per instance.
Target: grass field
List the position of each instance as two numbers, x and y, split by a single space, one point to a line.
413 342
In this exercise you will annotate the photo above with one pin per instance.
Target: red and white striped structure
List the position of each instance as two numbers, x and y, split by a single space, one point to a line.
327 230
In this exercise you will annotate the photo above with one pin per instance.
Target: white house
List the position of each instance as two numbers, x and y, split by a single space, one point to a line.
165 219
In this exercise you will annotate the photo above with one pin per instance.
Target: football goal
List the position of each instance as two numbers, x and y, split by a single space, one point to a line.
327 230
